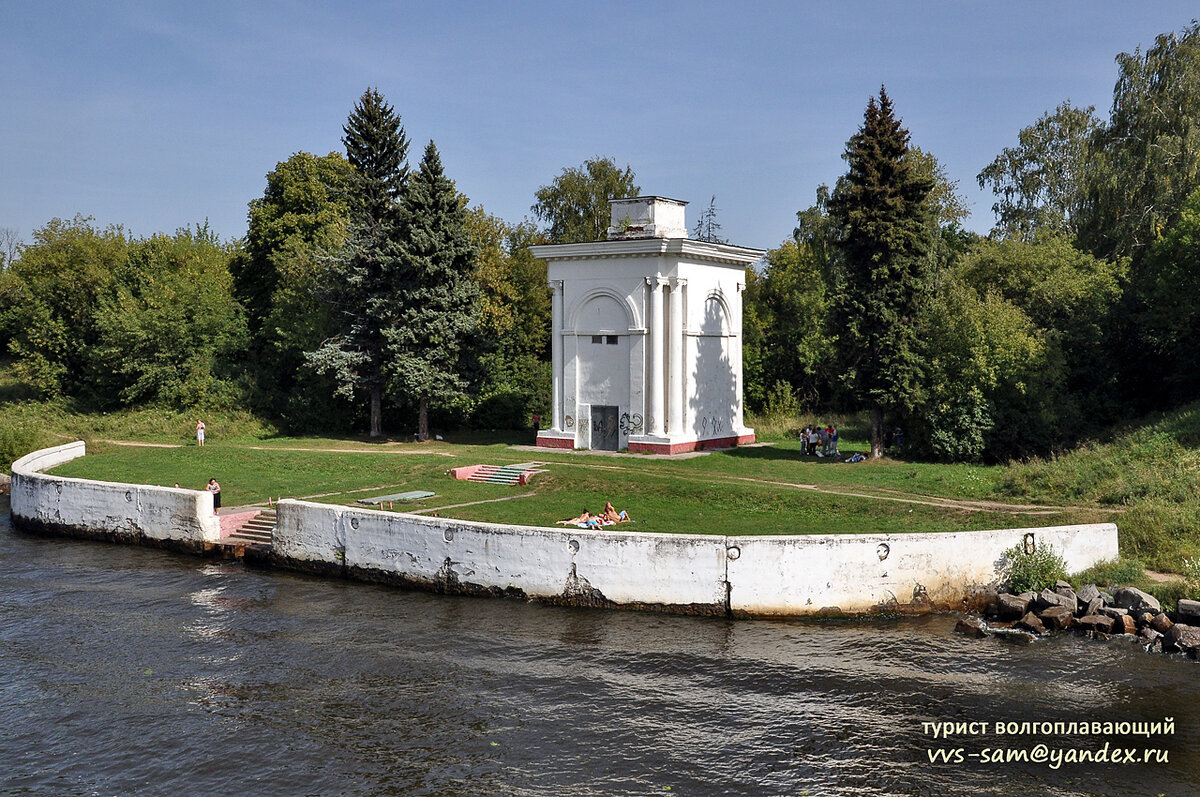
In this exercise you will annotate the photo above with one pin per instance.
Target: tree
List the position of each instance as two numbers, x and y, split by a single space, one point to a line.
986 377
575 206
377 148
53 300
1041 183
10 247
367 279
950 207
784 324
296 226
170 324
886 235
514 322
707 227
303 213
1071 298
1167 307
437 313
1147 158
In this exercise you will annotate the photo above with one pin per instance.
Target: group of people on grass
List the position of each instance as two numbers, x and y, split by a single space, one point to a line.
589 520
817 441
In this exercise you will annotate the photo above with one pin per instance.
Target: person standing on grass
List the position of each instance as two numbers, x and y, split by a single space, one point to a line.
215 488
200 433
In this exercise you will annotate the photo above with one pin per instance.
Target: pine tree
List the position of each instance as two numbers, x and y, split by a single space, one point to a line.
885 242
707 227
366 282
377 148
427 345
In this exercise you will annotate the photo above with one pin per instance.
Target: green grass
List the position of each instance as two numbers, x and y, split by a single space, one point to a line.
1149 470
722 493
1144 476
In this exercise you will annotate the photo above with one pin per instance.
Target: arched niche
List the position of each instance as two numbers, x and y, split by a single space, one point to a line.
603 310
716 319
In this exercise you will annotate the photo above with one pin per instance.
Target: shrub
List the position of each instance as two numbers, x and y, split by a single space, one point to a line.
1191 576
1033 570
1116 572
782 402
17 439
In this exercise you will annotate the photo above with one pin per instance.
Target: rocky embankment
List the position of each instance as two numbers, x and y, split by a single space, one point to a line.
5 483
1093 612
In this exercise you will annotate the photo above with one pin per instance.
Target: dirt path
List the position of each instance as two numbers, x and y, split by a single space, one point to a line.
135 444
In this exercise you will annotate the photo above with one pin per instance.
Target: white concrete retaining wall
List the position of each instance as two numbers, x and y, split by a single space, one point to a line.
92 508
739 575
858 572
763 575
576 566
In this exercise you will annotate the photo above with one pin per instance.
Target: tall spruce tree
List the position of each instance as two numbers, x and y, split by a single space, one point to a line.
367 282
438 313
886 235
377 148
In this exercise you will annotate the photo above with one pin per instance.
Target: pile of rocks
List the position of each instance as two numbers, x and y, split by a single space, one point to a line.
1094 612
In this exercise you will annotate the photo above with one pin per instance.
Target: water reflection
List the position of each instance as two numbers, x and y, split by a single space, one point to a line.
129 671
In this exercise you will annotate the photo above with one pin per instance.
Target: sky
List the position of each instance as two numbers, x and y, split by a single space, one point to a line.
159 115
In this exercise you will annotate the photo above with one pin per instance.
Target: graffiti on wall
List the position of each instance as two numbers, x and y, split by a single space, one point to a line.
631 424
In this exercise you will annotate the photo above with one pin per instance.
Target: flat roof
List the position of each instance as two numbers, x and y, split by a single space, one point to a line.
648 196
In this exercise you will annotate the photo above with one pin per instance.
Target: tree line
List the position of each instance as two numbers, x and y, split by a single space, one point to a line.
1077 311
365 295
368 294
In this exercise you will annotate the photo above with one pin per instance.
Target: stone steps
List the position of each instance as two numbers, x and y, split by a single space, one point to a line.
503 474
256 531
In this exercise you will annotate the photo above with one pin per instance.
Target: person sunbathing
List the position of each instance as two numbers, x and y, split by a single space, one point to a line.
613 516
583 519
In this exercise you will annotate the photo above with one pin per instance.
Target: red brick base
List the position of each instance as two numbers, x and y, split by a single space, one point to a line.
694 445
555 442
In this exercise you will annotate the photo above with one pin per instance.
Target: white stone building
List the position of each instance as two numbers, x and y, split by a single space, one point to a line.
647 336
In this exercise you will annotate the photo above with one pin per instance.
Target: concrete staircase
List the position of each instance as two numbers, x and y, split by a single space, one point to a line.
498 474
256 531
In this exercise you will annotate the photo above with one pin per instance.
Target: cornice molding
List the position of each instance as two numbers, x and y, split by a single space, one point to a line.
725 254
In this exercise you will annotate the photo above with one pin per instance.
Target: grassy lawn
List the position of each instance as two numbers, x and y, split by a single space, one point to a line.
767 490
1144 476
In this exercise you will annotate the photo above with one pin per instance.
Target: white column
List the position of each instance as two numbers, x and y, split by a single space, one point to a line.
556 353
675 386
654 424
735 349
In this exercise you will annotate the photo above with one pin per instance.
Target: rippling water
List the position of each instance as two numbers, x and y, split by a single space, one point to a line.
133 671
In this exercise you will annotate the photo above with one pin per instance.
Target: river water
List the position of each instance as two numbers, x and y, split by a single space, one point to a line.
134 671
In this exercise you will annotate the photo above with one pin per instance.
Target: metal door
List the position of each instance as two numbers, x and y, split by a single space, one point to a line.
606 428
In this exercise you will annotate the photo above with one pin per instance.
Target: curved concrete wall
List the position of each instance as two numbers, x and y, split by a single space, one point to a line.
668 571
706 574
107 510
702 574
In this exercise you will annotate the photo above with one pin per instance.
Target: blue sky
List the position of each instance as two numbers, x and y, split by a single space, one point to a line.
159 115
